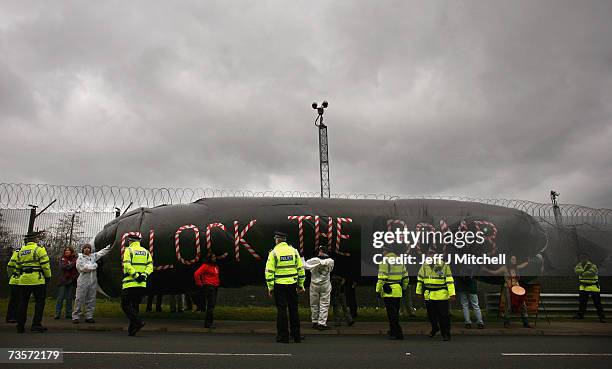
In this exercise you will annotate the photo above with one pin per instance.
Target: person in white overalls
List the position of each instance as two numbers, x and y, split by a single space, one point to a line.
87 283
320 268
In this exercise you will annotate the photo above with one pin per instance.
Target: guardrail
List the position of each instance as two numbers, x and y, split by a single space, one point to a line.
556 304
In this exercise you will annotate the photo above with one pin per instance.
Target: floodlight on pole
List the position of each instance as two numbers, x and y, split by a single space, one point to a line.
556 211
323 148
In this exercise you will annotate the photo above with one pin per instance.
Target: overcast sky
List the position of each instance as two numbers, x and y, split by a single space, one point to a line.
503 99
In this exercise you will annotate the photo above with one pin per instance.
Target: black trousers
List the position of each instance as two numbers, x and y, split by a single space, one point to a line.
210 300
130 301
584 298
40 293
392 304
286 298
13 304
351 298
437 312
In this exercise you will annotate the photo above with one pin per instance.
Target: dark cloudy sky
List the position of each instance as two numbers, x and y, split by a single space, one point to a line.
481 98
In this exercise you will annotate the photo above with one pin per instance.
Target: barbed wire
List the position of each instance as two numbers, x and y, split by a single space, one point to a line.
103 198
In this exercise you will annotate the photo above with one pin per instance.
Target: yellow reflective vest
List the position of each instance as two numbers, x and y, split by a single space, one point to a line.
31 265
588 276
11 269
435 282
395 275
136 260
284 266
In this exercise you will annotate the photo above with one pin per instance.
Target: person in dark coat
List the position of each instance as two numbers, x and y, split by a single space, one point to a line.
66 283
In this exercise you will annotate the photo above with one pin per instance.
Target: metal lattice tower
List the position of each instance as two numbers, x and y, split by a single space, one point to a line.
323 149
324 161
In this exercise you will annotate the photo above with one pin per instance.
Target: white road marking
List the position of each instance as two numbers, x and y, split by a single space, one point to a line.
550 354
408 354
170 353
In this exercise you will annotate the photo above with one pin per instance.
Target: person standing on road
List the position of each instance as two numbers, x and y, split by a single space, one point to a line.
467 289
285 277
392 280
320 268
87 283
511 274
435 283
207 278
137 266
66 282
34 272
13 303
588 277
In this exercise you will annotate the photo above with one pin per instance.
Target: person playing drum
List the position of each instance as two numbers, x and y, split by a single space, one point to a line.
513 292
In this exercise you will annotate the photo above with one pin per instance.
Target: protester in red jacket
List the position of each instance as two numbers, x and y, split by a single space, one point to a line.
207 277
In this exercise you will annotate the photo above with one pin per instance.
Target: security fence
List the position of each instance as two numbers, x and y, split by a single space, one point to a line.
79 212
106 198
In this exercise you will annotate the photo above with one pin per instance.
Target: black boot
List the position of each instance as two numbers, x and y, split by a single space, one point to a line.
38 328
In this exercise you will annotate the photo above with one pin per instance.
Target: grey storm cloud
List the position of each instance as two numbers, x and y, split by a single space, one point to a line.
483 99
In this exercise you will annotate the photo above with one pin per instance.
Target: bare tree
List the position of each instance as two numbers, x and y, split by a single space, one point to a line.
67 232
6 251
5 237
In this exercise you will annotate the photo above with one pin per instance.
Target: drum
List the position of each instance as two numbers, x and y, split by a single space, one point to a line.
518 290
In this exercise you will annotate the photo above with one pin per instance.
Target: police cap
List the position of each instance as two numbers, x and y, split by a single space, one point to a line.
279 234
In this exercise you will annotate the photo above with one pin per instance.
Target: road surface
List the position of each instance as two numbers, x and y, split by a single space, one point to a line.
174 350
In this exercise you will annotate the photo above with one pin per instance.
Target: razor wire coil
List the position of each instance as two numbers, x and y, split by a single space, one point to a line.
105 198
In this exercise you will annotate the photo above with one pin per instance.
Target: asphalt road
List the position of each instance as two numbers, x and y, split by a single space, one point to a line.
154 350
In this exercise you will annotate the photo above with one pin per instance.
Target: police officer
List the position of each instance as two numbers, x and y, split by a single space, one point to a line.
435 283
11 268
137 266
33 273
588 276
284 277
392 280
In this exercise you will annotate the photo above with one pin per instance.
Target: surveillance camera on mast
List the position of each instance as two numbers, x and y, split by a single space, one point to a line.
553 197
320 110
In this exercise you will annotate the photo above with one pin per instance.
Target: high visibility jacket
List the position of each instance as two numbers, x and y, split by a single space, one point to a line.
435 282
395 275
31 265
284 266
11 269
588 276
136 260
